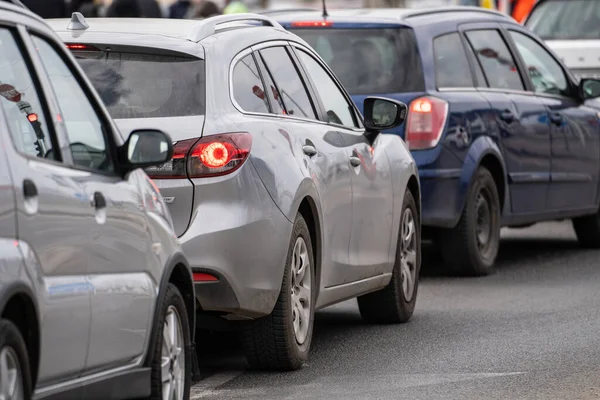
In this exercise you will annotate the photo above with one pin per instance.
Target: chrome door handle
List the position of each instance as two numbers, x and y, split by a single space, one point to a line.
355 161
309 150
29 189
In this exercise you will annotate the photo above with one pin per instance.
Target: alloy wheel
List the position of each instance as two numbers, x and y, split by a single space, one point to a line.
408 255
11 379
173 357
301 295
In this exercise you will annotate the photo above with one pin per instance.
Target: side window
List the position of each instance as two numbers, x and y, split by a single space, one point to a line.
248 88
277 106
286 77
20 101
451 64
545 73
83 125
498 64
339 111
481 81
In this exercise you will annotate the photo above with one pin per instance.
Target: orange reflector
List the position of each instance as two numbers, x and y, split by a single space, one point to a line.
32 117
202 277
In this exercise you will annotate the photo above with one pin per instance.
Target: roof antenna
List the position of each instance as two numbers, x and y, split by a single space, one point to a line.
325 15
78 22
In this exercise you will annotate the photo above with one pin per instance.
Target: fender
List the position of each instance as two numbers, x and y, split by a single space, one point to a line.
480 148
173 261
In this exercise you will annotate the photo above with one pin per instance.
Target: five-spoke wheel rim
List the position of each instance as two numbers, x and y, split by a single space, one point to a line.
408 254
484 222
11 381
301 290
173 357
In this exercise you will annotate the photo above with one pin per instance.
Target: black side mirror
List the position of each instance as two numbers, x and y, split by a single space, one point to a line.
589 88
146 148
382 114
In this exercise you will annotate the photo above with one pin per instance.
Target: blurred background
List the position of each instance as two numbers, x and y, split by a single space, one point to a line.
205 8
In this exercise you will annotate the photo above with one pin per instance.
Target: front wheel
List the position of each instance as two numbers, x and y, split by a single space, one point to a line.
281 340
396 302
172 359
15 379
471 247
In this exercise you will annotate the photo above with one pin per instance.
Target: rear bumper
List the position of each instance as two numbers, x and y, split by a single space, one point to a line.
238 234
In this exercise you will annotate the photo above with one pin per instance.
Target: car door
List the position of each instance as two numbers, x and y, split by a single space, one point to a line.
53 213
575 134
320 149
519 120
120 253
372 194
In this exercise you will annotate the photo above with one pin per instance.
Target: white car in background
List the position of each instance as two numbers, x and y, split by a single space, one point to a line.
572 29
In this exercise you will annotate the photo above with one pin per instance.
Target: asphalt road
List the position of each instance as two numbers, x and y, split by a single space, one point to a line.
530 331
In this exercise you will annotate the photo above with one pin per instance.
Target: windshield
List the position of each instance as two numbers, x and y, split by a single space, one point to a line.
146 85
566 20
369 61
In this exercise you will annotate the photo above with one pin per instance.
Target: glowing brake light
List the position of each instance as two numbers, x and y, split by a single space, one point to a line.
72 46
213 155
312 24
426 122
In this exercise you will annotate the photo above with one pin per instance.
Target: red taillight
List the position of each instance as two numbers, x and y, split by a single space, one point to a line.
426 121
203 277
213 155
312 24
32 117
72 46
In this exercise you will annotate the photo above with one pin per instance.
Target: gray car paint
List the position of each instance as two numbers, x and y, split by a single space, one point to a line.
240 224
94 279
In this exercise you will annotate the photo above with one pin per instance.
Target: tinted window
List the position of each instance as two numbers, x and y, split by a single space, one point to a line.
275 100
146 85
292 90
566 19
370 61
84 128
545 73
21 102
479 77
248 89
339 111
451 64
498 64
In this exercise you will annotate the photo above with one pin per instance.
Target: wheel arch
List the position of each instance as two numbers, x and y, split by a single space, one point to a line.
309 211
14 300
484 152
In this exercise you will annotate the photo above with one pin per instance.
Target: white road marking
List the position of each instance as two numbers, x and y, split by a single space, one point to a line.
207 386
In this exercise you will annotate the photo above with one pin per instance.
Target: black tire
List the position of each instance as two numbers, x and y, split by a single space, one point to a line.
172 298
270 342
461 251
12 342
587 229
390 305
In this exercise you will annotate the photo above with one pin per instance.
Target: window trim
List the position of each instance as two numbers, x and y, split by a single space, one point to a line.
354 112
264 71
435 64
508 44
572 87
106 124
37 81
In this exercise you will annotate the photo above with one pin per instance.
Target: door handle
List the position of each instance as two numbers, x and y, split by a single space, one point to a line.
309 150
556 119
29 189
507 116
355 161
98 201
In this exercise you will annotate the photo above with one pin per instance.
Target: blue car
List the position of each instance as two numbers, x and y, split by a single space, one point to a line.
502 133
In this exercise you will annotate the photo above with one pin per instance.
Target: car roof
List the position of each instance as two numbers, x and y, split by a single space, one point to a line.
393 16
17 6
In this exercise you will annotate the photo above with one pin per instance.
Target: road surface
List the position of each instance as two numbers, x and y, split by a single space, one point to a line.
530 331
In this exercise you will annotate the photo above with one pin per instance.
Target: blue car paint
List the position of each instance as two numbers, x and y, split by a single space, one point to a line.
475 133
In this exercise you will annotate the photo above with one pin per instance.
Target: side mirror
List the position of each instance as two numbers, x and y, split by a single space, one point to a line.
589 88
146 148
383 114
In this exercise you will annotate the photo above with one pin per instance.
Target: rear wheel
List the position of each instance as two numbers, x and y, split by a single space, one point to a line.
471 247
396 302
15 378
587 229
281 341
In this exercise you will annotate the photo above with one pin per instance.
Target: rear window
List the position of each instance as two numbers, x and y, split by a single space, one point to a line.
370 61
134 85
566 20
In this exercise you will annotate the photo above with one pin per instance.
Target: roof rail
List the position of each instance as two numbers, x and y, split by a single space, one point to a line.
208 26
287 10
17 3
439 10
